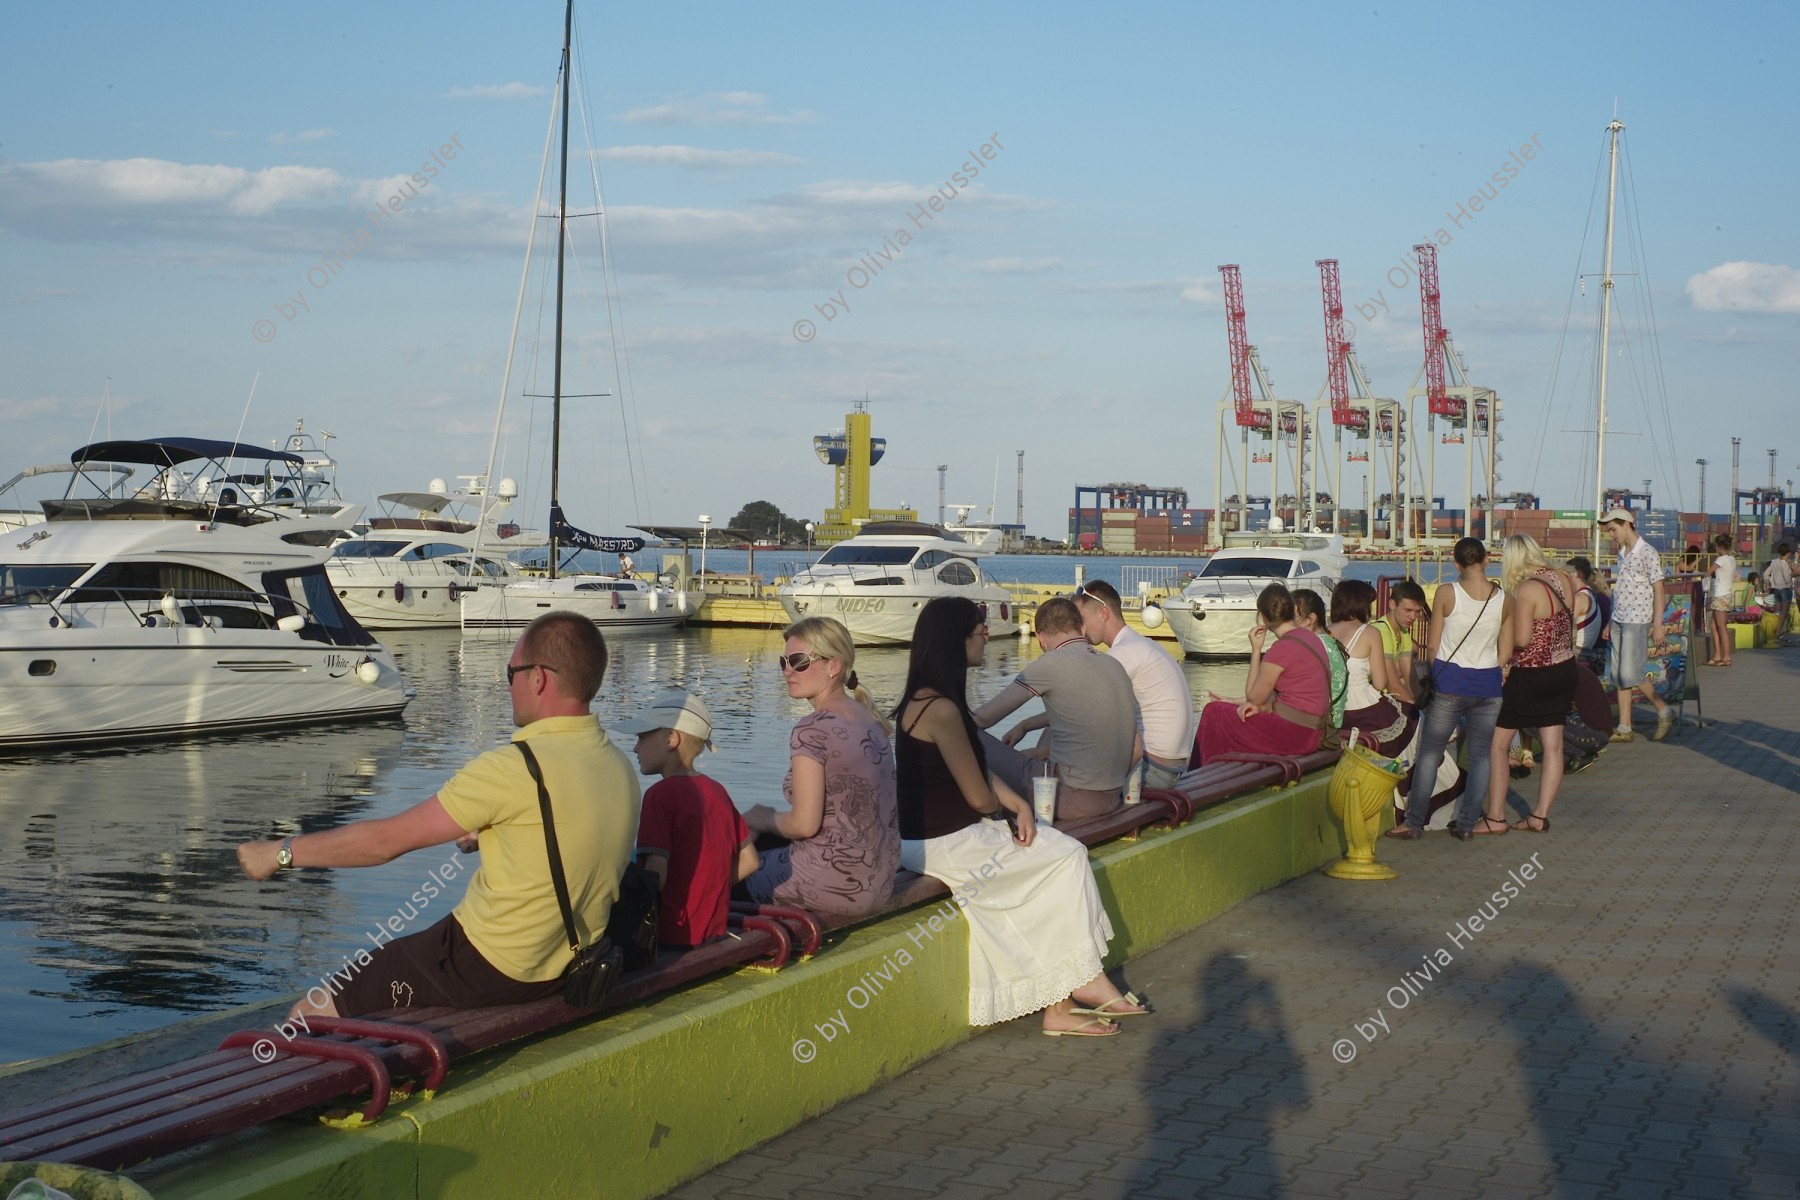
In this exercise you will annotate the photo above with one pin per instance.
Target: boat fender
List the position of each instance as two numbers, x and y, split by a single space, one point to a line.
399 592
655 600
681 601
618 601
368 670
1152 617
1004 615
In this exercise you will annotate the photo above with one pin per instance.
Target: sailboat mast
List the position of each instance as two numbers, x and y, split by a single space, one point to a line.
1606 290
562 236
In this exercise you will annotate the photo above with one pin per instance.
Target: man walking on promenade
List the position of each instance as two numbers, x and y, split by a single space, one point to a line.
505 943
1165 704
1637 621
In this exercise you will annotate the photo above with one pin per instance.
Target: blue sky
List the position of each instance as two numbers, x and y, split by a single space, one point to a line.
167 181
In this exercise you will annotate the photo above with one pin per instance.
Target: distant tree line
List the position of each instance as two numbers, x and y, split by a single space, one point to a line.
763 521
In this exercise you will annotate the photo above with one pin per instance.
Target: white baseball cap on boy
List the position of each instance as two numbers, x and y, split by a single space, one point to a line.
675 710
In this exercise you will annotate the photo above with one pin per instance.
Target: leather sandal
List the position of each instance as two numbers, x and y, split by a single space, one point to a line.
1526 826
1486 826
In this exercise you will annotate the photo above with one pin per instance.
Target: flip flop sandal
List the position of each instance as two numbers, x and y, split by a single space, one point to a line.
1082 1030
1106 1010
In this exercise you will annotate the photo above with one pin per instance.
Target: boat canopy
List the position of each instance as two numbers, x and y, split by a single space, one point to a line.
168 452
904 529
425 502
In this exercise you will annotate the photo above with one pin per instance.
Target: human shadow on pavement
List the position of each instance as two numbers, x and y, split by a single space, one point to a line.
1217 1123
1596 1097
1768 1017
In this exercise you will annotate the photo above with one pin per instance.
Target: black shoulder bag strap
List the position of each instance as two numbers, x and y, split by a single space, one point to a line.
556 867
1494 590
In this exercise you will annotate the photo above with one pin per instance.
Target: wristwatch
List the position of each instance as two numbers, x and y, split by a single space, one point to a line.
284 857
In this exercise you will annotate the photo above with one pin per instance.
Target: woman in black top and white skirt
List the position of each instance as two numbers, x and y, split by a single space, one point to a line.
1037 929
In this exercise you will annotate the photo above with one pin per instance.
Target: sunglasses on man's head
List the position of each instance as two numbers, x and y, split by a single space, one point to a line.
798 661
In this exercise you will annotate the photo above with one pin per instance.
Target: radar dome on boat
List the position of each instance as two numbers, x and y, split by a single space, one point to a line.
1275 524
437 487
508 490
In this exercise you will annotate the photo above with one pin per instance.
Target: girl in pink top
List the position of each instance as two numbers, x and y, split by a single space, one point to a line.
1287 697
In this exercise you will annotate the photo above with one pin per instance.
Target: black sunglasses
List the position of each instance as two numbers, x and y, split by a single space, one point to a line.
798 661
512 672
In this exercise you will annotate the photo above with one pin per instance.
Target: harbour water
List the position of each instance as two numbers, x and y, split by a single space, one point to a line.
122 907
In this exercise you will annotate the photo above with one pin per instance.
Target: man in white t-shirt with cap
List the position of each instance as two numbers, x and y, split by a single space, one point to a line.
1636 620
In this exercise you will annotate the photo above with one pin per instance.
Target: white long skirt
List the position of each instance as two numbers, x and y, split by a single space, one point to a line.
1037 929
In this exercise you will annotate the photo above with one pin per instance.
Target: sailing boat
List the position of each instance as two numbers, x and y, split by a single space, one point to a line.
610 601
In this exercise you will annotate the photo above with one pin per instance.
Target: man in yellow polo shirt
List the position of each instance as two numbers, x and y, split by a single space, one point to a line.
504 944
1399 630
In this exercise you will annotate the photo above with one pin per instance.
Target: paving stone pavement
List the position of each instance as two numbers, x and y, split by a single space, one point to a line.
1626 1026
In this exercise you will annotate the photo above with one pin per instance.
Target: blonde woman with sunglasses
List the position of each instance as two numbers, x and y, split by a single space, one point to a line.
842 825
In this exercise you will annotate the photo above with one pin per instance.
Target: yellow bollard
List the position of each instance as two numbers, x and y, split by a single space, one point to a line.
1361 788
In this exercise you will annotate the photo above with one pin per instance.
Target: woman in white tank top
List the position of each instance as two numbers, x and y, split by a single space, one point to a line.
1383 724
1467 616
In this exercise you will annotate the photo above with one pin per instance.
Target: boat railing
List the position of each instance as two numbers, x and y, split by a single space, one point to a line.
1138 585
197 608
1225 586
387 568
857 573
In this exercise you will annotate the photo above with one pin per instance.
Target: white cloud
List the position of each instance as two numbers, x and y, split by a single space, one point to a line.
305 135
219 216
1017 266
1189 289
695 156
494 91
80 184
1746 287
722 108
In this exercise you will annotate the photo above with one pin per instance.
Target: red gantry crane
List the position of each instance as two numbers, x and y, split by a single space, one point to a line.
1248 415
1354 407
1251 399
1472 412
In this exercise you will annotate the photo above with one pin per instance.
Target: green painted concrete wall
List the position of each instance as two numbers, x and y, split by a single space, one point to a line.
635 1103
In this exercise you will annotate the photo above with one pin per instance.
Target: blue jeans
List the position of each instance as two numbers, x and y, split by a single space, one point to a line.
1477 715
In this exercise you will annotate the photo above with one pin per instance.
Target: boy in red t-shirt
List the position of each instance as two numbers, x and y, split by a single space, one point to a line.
691 836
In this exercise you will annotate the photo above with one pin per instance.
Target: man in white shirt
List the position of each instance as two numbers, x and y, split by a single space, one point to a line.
1165 703
1779 579
1637 620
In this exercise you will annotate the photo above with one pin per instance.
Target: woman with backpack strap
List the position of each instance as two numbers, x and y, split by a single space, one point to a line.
1287 699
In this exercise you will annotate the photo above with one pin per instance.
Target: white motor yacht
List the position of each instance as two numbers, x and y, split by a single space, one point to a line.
877 581
178 608
1213 615
410 570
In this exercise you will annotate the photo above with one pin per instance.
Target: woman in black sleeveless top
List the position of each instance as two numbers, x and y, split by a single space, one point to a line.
1037 929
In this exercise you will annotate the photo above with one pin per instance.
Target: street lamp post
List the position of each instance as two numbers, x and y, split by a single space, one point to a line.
705 523
809 531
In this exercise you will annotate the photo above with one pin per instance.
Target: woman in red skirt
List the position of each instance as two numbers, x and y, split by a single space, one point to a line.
1286 699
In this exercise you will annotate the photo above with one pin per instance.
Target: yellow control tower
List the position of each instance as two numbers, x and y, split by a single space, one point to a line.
851 454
